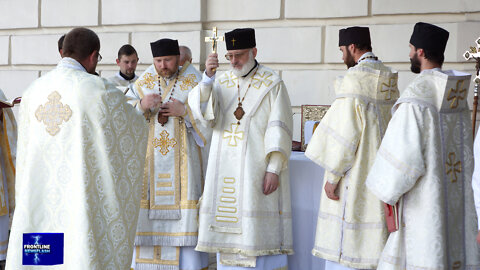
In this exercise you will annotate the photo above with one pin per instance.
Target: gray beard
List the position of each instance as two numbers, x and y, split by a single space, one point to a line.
245 69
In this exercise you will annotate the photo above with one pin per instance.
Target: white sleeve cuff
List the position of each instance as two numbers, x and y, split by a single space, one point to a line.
275 163
207 80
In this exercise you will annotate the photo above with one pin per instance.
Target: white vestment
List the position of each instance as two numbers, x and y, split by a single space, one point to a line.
173 179
352 230
235 216
8 146
120 82
81 153
425 165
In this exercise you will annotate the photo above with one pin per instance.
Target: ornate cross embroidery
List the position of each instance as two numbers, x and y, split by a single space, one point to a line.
233 135
164 142
390 87
453 167
454 95
148 81
260 79
229 79
188 82
53 113
233 42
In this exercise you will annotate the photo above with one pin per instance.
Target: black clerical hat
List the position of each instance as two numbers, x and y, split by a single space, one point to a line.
354 35
164 47
241 38
429 37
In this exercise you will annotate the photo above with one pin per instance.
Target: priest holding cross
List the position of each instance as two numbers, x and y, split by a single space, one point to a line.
245 213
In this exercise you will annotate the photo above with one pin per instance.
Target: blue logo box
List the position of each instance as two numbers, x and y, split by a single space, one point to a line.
42 248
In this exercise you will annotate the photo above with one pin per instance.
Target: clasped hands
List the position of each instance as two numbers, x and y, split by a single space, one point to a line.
173 107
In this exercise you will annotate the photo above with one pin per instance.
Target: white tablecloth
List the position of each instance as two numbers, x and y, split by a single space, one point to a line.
306 182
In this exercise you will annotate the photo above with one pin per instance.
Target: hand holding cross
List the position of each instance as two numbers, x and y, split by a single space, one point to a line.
212 60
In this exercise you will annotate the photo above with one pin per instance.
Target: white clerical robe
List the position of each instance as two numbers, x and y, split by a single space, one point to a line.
8 146
235 215
81 154
425 165
120 82
352 230
173 179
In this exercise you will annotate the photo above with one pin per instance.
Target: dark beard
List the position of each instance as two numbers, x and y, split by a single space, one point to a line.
349 61
415 65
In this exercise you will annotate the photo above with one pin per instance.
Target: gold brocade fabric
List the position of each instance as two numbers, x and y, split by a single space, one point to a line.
173 177
351 231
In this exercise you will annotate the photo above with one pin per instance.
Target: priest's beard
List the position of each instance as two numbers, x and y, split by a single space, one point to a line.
246 67
349 61
168 73
415 65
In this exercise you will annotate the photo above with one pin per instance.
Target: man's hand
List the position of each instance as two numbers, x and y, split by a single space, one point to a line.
478 237
173 108
270 183
211 64
330 190
150 101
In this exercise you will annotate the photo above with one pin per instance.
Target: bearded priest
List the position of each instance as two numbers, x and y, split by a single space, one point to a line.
424 165
245 214
167 230
351 231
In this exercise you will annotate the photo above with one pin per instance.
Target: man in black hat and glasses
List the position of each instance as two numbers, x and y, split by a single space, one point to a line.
350 228
245 213
167 228
424 165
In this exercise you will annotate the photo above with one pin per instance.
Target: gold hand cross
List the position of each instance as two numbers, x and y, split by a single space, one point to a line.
214 39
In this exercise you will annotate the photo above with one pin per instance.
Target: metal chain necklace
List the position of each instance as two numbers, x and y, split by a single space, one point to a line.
239 112
162 119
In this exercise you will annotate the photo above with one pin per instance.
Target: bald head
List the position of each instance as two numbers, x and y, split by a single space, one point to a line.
185 55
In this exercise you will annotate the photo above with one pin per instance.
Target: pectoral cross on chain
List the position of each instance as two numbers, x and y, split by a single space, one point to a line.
214 39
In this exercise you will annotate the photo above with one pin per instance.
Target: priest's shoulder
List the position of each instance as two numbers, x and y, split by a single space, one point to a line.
264 70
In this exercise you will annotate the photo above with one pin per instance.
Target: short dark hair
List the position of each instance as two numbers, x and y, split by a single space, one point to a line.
60 42
127 50
364 47
80 42
436 57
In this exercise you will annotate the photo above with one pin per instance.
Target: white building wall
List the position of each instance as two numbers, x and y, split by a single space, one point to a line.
298 38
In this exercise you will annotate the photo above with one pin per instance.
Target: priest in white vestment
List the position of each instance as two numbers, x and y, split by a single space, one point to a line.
245 211
424 165
167 230
127 62
8 146
351 231
80 160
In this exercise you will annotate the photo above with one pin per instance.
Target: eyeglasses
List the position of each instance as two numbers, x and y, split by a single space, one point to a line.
230 56
99 57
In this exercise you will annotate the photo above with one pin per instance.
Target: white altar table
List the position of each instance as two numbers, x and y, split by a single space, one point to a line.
306 182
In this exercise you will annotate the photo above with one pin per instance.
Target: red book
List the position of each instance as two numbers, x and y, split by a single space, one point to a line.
391 216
